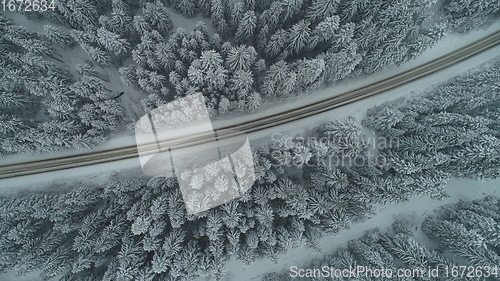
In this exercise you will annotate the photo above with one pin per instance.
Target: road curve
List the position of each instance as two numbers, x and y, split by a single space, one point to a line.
258 124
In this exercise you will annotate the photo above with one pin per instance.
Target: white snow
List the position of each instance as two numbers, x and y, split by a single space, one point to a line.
356 110
12 275
418 208
448 44
189 24
133 109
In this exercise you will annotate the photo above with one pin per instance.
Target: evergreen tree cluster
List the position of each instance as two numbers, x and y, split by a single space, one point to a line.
453 128
102 45
261 49
466 233
133 230
470 230
466 15
42 106
306 186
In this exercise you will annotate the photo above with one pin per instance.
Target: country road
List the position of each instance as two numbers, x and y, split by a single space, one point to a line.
13 170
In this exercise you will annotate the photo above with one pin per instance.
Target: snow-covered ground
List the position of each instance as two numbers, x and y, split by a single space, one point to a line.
356 110
132 100
446 45
417 208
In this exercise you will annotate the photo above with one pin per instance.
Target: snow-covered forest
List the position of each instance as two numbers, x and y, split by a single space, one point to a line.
135 229
43 107
454 128
243 54
465 234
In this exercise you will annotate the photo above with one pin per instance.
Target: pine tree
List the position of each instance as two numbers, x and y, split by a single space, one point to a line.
291 9
10 124
241 82
249 4
186 8
112 42
246 27
270 16
340 65
299 37
121 17
465 15
141 25
276 43
101 57
310 73
208 71
157 16
165 55
241 58
9 100
279 80
186 264
85 13
205 7
325 31
160 262
236 15
141 225
321 9
218 16
58 37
